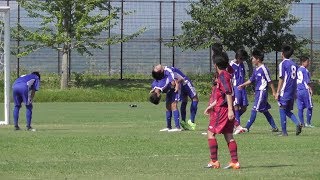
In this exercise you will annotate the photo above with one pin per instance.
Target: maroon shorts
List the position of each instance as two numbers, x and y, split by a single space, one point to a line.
219 121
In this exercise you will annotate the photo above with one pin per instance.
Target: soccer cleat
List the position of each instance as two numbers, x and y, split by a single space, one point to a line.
240 130
233 166
283 134
298 129
274 130
213 165
309 126
16 128
192 125
164 129
175 130
30 129
184 125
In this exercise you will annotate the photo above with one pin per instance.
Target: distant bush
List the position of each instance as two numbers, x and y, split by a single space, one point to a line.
133 88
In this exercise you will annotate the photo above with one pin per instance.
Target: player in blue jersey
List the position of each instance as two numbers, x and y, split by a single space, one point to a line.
304 92
261 78
240 95
166 86
286 90
24 89
185 88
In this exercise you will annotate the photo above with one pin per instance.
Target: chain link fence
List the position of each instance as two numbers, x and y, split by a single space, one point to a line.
162 20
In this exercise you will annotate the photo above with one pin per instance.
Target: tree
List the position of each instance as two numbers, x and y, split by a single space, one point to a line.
67 25
263 24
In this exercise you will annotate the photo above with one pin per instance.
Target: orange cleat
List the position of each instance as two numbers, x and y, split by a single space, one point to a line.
214 165
233 165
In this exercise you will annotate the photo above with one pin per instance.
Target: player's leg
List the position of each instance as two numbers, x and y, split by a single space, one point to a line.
233 149
213 148
271 121
300 106
293 117
283 119
28 102
183 111
168 116
17 98
309 105
176 114
245 102
255 108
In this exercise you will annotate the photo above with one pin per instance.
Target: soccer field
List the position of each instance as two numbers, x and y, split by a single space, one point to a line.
115 141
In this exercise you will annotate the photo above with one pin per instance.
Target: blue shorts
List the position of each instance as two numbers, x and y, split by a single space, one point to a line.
187 89
261 101
286 103
172 96
240 97
21 94
304 99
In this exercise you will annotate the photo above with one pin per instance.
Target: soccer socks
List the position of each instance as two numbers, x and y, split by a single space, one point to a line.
176 116
183 111
292 117
237 115
168 119
232 145
16 114
213 147
193 110
300 114
29 114
270 119
283 120
252 119
309 116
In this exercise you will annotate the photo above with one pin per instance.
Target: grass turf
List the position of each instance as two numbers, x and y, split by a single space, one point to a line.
115 141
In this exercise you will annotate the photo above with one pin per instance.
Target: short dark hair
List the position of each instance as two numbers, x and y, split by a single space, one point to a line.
241 54
221 62
36 73
303 59
157 75
217 48
256 53
287 51
154 98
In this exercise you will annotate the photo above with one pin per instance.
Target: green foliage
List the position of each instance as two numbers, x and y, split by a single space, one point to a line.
263 24
134 88
74 24
114 141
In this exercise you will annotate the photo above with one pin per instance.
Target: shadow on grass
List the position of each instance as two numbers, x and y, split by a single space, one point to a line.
267 166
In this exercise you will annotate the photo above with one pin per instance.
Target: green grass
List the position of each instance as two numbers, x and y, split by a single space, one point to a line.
114 141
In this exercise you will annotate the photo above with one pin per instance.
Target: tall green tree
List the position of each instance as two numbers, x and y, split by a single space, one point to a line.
263 24
67 25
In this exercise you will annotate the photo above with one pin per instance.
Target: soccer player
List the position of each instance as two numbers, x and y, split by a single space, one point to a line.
304 92
261 78
240 95
221 122
24 89
186 88
166 86
287 89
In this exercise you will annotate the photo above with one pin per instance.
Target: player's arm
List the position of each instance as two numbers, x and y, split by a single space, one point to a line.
230 107
178 81
241 86
211 105
280 84
272 88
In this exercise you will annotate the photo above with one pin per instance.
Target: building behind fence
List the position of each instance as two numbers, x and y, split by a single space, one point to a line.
162 20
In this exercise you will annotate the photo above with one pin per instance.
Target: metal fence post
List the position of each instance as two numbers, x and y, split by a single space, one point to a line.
173 30
311 38
121 43
160 32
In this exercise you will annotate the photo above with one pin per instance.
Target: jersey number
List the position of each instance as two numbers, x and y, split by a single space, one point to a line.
293 72
300 77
